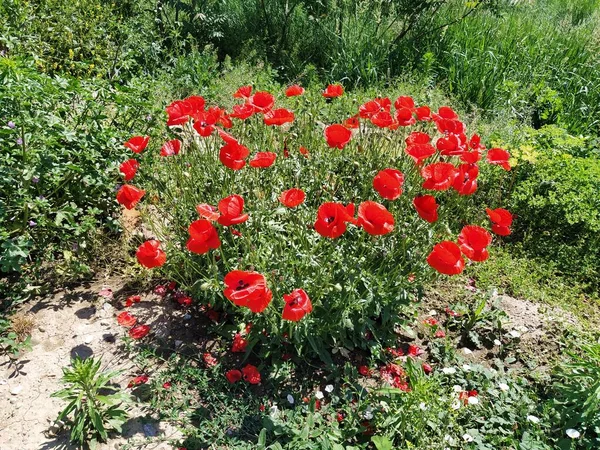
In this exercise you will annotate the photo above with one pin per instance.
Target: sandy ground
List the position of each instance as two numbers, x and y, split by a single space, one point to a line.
78 322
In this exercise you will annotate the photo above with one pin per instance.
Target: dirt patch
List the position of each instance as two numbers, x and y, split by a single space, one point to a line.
76 322
535 329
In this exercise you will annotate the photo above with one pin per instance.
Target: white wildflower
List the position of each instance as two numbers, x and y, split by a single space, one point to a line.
290 399
329 388
503 387
573 434
533 419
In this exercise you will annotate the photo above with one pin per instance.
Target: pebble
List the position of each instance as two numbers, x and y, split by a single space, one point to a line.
16 390
150 430
88 339
42 329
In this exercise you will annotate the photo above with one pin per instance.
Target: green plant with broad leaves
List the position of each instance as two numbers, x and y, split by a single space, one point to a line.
96 406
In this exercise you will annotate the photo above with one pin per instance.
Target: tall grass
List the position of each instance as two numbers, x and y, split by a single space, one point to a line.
538 58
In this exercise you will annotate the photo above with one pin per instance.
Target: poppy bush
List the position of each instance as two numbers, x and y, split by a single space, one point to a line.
312 220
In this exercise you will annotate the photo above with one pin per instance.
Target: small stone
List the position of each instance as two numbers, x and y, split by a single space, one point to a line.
42 329
88 339
187 316
104 323
150 430
178 343
16 390
3 382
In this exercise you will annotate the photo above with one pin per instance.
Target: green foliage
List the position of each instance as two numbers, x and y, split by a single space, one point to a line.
577 393
57 195
96 407
537 58
554 191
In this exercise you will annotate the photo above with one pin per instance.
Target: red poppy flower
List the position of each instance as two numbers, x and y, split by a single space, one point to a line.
251 374
247 289
427 368
337 136
263 159
203 237
449 145
278 117
242 112
178 113
129 168
227 138
426 207
231 211
262 102
207 211
233 376
414 350
382 119
333 90
195 104
243 92
351 123
466 179
453 126
498 157
473 241
445 112
502 220
388 183
303 151
137 144
404 102
375 218
369 109
204 123
420 152
446 258
423 113
233 155
184 300
292 197
439 176
239 344
132 299
418 137
364 371
404 117
332 218
125 319
137 381
139 331
129 196
209 360
297 305
470 157
150 255
294 91
170 148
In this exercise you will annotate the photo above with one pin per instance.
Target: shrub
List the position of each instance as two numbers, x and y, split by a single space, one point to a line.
554 187
56 191
333 290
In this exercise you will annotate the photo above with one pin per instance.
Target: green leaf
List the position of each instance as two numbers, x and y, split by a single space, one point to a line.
382 443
